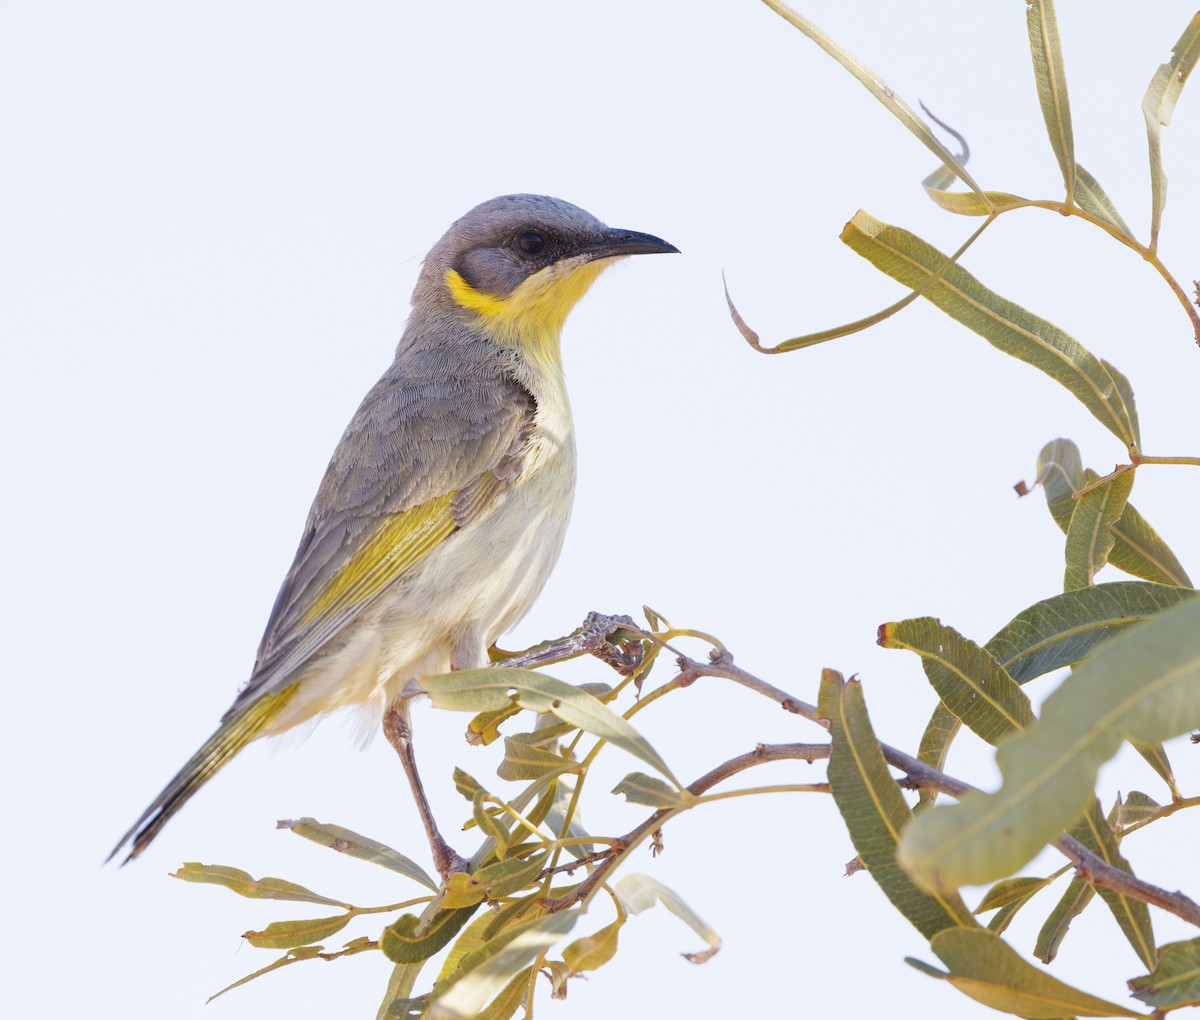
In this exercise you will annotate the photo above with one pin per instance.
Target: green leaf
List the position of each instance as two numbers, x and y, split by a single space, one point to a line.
402 943
1133 916
1091 198
291 934
474 690
969 681
1089 535
556 819
1125 388
593 951
1005 325
494 882
1176 979
293 956
505 1004
1143 685
1137 548
1011 890
257 889
1063 630
492 824
874 809
636 893
1156 757
939 733
1073 903
989 971
873 84
1051 77
399 987
1137 807
362 847
640 788
1157 106
467 785
525 761
487 972
969 203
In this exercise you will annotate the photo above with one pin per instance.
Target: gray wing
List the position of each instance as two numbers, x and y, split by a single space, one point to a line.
429 445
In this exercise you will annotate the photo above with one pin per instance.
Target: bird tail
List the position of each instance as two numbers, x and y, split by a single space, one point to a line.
231 736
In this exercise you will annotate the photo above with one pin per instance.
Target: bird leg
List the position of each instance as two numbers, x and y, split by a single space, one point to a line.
397 729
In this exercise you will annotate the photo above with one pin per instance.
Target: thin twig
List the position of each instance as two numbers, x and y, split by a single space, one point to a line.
592 638
918 775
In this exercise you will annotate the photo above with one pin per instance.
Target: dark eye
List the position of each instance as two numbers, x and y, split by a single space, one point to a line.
531 243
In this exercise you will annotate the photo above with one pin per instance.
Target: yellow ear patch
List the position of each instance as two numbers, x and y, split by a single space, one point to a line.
531 317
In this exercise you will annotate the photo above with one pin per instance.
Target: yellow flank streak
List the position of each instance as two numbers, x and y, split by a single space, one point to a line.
531 317
401 541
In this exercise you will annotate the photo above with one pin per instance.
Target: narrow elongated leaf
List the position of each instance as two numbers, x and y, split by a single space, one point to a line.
492 824
525 761
362 847
939 733
969 681
291 934
506 1003
1143 685
402 943
1074 902
1132 915
593 951
1091 198
1156 757
1125 388
1137 548
1157 106
636 892
1137 807
399 987
969 203
1063 630
486 973
556 819
474 690
1005 325
873 84
1010 891
1051 77
874 809
492 882
1176 979
640 788
989 971
293 956
1089 535
254 888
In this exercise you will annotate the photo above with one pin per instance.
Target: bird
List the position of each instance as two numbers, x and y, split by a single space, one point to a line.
445 504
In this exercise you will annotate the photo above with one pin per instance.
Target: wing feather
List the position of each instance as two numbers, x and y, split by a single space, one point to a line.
425 454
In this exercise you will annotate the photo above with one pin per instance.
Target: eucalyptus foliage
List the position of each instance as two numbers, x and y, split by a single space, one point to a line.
483 942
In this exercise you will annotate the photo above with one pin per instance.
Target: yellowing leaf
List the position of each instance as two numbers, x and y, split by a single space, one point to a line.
242 884
989 971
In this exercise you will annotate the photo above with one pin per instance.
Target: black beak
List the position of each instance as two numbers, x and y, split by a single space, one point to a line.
618 242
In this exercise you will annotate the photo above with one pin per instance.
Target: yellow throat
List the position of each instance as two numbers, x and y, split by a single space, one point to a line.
530 318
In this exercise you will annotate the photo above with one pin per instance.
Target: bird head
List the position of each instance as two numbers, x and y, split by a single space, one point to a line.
516 265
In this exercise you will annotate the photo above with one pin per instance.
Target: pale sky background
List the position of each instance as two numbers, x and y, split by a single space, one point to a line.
213 216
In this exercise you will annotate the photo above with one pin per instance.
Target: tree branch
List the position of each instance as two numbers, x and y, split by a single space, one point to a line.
917 775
